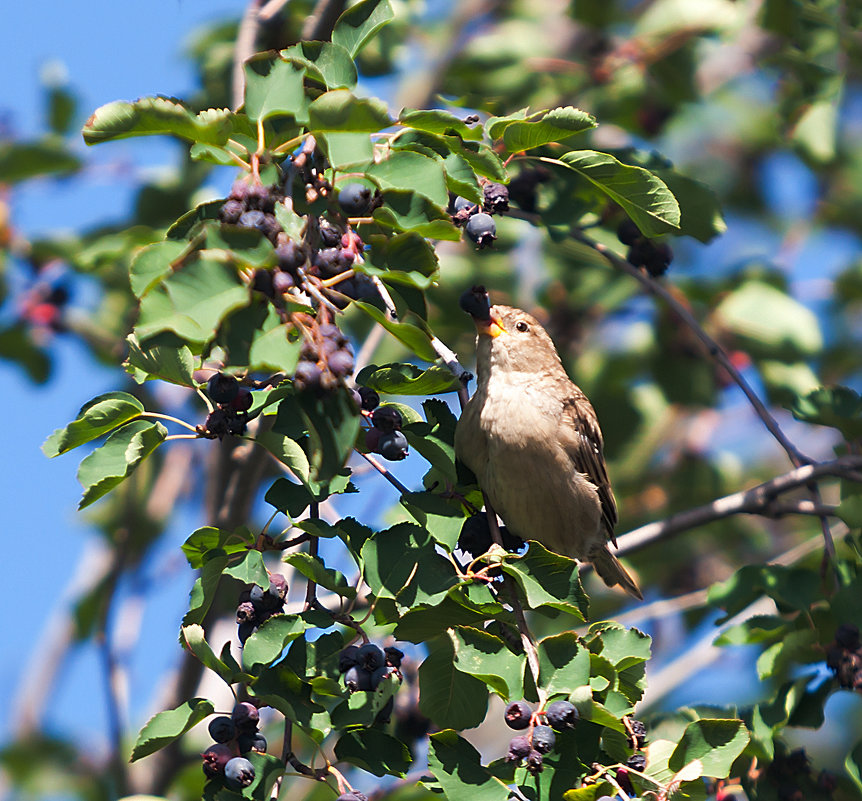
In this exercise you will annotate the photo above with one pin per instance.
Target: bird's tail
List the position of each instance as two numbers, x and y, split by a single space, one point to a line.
612 572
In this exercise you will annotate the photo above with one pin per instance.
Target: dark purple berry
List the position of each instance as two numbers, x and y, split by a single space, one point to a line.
263 282
496 198
260 197
230 212
307 375
333 332
372 439
637 733
562 715
282 282
221 729
636 762
245 613
348 657
222 388
253 219
378 675
461 204
242 402
475 302
356 679
271 228
327 262
387 419
659 260
245 630
519 748
517 715
290 255
215 759
239 190
341 363
847 636
352 796
256 595
245 716
544 739
330 236
482 229
278 586
370 400
252 741
393 446
628 233
355 199
535 762
370 657
239 773
393 656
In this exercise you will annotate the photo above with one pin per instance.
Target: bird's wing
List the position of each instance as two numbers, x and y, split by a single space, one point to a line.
586 452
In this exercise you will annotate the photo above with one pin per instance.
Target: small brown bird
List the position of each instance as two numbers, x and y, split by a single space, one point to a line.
533 440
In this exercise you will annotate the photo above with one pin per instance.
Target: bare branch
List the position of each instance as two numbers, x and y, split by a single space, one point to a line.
245 47
384 471
757 500
319 25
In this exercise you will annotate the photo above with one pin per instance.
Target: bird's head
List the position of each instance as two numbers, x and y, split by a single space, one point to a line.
512 340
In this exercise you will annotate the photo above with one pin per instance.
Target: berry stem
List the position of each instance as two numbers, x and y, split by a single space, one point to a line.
289 145
159 416
182 436
384 472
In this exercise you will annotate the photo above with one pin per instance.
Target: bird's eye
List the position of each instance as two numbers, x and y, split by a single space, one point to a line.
521 326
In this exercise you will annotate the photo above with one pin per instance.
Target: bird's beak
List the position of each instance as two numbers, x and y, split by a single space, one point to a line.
492 327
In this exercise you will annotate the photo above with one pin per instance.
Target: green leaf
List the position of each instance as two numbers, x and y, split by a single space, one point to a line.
362 708
423 621
342 111
333 425
853 764
273 349
113 462
790 587
347 149
192 302
838 407
486 657
457 766
481 158
157 115
461 179
405 169
495 126
590 792
442 518
405 210
375 751
313 568
153 263
555 125
97 417
407 379
622 647
165 727
548 579
714 743
564 663
163 356
193 637
21 161
700 211
274 88
329 62
249 569
406 258
206 539
356 26
287 451
184 226
268 643
289 498
413 336
769 323
437 121
643 196
402 563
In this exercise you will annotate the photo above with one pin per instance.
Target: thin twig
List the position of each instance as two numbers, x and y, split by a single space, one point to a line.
320 23
384 472
450 359
311 587
757 500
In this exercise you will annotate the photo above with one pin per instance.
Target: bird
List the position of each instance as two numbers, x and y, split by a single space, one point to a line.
533 441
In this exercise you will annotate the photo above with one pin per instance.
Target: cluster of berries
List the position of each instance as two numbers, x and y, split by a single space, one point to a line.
234 735
540 738
476 218
844 657
365 666
385 435
232 403
654 257
475 537
257 605
791 779
326 356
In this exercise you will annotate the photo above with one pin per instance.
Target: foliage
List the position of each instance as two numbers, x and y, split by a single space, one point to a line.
247 305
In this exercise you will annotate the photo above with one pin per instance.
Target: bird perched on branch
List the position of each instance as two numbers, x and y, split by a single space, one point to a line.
534 443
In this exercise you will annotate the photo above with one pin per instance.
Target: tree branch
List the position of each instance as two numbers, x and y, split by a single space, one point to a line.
757 500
